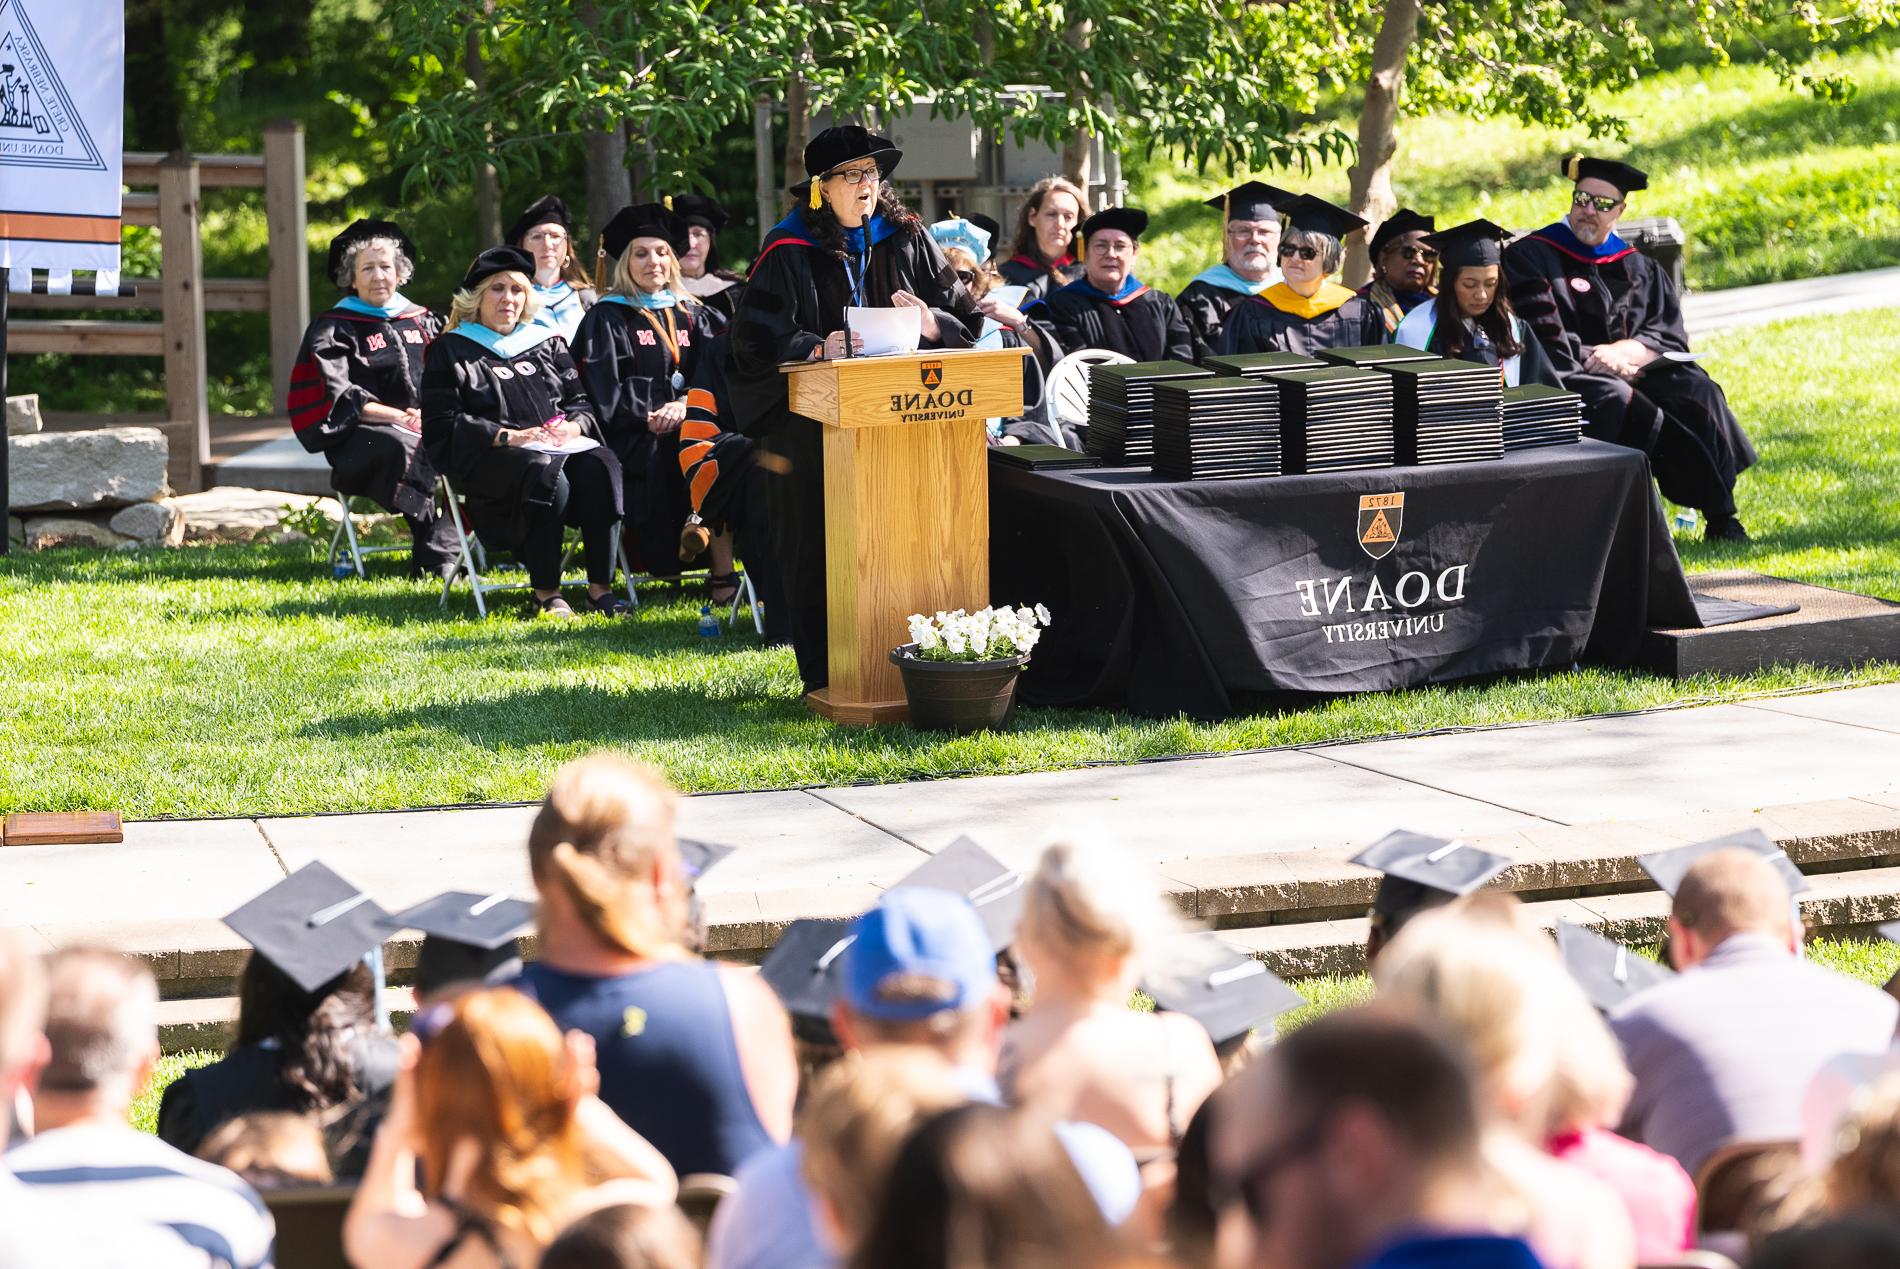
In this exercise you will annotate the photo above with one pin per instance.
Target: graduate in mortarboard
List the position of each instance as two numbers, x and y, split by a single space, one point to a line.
1403 266
562 290
1108 306
716 286
1470 318
848 242
1044 255
356 387
1612 323
1306 311
1250 245
504 415
638 349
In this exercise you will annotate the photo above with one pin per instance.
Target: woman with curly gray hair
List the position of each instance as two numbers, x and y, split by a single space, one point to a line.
356 388
1307 310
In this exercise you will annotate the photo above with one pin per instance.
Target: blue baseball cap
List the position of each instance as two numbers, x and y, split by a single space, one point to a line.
921 931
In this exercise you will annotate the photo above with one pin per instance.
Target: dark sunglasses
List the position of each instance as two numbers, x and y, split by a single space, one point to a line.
966 277
1287 250
1418 255
1597 201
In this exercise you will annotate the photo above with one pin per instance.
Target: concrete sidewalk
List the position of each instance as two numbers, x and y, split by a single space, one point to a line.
1203 822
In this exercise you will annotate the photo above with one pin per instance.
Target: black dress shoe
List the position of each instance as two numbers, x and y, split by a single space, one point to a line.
1725 529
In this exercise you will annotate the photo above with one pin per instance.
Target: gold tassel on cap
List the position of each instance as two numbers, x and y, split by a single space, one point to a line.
1227 207
667 202
1076 250
816 200
600 265
1573 166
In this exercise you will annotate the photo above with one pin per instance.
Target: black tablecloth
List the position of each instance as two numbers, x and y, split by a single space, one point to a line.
1173 597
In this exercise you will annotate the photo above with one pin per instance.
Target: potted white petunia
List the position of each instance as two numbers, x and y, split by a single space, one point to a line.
960 668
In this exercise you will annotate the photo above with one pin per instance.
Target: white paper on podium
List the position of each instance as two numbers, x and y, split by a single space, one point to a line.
1009 296
578 445
886 330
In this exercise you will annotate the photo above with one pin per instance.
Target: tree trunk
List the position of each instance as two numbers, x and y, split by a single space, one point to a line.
797 129
609 188
1078 149
487 182
1372 195
156 120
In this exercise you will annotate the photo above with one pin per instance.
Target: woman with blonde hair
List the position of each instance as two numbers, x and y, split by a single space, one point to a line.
695 1056
493 1142
638 350
1079 1052
1495 983
1043 254
505 418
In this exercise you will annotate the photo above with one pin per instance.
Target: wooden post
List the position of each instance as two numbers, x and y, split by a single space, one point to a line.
181 284
289 252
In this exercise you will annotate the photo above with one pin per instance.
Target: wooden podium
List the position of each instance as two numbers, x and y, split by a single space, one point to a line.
907 512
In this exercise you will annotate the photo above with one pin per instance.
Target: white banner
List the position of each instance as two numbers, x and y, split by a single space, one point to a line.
62 112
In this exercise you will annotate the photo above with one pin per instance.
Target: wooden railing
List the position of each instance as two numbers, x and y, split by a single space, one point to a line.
182 293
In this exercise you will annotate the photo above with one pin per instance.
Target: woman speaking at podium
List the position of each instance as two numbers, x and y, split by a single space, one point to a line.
847 243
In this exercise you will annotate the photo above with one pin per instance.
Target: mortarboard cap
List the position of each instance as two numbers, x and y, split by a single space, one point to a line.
1319 216
804 968
1667 868
1402 221
471 938
1218 985
1470 245
313 925
644 220
1608 972
698 209
697 856
1627 179
497 260
1423 872
550 209
993 889
360 231
1130 220
1252 200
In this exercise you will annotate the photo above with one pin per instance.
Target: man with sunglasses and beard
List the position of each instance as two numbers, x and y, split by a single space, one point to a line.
1354 1143
1612 324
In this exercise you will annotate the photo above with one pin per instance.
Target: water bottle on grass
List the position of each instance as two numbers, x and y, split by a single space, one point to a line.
1685 520
708 624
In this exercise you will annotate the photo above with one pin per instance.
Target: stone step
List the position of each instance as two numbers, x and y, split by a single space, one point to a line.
1841 904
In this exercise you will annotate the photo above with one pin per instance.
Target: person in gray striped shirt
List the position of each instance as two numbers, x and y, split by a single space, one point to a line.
102 1029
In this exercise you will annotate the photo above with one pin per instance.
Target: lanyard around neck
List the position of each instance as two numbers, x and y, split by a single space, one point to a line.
669 334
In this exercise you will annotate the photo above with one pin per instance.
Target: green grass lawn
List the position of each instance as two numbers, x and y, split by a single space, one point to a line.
242 680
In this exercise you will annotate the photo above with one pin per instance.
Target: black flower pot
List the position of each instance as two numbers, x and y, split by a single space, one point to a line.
958 696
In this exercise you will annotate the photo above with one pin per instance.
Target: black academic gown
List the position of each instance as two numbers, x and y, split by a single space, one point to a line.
796 296
250 1079
1205 308
1273 321
1022 271
628 370
469 394
1145 324
347 361
1673 411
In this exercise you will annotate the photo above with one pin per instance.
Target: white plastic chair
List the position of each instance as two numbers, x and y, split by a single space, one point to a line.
1068 387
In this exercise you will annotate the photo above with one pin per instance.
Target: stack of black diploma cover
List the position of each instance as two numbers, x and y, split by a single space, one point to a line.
1536 415
1217 429
1121 408
1446 411
1334 418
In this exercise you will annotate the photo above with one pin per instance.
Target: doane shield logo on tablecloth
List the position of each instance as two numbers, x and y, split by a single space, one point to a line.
1381 519
931 372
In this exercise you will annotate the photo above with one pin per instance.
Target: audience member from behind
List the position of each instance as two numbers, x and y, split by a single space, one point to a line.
985 1186
855 1122
493 1142
102 1029
39 1230
1867 1241
1356 1142
1726 1049
918 971
626 1237
303 1051
1079 1051
271 1149
1497 985
695 1057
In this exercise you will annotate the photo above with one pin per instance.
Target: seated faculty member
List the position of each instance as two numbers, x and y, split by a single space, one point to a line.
1044 254
1308 310
1403 264
1471 317
504 414
1108 306
713 284
356 389
1612 324
849 243
1250 237
1726 1049
562 290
